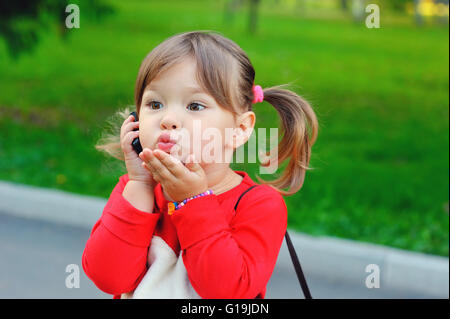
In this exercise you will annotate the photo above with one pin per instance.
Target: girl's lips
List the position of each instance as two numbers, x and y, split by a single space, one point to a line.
165 146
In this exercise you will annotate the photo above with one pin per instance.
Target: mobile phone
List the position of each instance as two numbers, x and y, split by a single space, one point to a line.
136 143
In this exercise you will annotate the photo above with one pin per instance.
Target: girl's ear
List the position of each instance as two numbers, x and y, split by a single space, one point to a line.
244 128
240 137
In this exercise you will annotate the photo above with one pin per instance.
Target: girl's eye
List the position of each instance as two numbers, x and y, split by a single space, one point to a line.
154 105
196 106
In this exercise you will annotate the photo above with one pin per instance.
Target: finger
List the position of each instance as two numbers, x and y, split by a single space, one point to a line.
145 154
125 122
131 126
125 132
173 164
127 139
154 173
193 165
158 168
144 165
128 119
148 169
145 161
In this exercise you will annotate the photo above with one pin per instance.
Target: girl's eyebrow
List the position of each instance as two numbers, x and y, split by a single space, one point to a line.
195 89
190 89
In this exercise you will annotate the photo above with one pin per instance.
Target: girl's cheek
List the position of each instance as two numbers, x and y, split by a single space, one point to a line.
146 139
212 151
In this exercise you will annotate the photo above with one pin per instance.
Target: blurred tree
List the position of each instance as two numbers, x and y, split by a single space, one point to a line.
400 5
417 16
231 6
21 21
344 5
253 16
358 10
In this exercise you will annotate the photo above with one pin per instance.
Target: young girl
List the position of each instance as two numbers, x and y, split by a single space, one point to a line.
169 228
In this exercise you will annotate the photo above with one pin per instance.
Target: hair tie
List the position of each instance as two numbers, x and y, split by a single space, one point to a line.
258 94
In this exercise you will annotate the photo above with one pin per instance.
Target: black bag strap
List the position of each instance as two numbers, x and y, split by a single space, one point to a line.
298 268
295 261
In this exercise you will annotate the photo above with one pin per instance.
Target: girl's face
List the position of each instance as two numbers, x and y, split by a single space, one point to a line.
174 103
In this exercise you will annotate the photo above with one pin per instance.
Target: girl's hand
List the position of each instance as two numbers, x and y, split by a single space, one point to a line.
179 181
132 161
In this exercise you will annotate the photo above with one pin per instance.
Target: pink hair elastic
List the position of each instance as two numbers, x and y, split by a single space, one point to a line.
258 94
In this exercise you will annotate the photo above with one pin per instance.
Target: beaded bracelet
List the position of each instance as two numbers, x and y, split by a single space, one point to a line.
172 206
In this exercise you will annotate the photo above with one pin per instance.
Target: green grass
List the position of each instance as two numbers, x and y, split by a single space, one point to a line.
381 95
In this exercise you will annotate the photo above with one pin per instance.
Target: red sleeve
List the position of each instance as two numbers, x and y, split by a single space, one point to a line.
231 260
115 255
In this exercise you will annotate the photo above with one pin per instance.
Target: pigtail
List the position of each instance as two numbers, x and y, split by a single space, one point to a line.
109 142
299 129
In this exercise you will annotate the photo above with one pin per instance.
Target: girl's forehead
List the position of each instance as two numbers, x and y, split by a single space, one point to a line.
185 70
182 76
190 88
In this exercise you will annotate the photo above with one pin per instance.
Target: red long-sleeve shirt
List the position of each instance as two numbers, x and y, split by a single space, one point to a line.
203 250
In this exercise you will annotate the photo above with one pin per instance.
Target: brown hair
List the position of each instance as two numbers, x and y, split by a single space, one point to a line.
226 73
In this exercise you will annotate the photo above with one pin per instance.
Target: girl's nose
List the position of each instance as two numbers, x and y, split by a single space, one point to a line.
170 122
